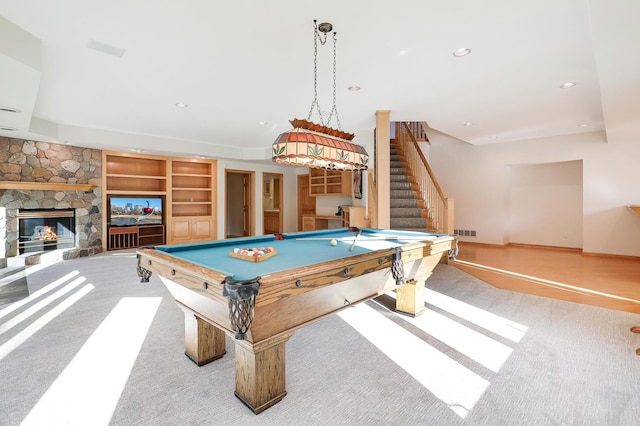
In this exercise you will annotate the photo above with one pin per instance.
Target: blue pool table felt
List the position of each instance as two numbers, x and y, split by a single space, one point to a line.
293 251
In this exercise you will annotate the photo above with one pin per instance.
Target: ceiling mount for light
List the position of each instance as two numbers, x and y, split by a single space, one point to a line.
318 145
9 109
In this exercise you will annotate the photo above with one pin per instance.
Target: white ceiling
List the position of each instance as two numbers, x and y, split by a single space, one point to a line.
238 63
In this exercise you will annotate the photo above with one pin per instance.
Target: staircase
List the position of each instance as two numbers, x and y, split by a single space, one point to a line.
407 210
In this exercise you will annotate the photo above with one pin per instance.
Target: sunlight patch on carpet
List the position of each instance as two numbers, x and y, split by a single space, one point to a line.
454 384
40 305
88 390
480 348
45 319
44 290
491 322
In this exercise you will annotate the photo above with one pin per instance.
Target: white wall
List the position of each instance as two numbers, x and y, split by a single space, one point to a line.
533 195
290 200
475 177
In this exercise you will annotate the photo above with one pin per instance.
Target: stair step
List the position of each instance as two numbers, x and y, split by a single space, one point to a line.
397 171
398 178
402 186
400 203
417 230
396 165
402 194
408 222
400 212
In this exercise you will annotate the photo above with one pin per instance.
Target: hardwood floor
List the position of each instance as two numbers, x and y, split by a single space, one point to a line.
609 282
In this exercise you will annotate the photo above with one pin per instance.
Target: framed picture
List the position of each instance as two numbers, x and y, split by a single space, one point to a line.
267 188
357 184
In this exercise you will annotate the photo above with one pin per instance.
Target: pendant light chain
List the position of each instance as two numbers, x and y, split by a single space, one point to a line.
316 36
335 108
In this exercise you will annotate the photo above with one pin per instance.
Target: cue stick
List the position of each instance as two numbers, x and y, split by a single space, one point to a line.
374 238
355 239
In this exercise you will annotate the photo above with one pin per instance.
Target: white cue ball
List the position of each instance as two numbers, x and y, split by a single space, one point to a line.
334 242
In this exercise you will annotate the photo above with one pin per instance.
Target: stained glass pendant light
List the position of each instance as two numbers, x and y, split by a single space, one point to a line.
316 145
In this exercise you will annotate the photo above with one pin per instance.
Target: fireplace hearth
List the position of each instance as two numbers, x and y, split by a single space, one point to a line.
45 229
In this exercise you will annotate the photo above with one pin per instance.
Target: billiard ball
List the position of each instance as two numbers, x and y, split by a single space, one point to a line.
334 242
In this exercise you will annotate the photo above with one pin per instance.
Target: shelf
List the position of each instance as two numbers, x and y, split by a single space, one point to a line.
192 202
118 175
635 209
192 209
329 182
190 168
123 164
135 184
125 192
191 174
191 182
46 186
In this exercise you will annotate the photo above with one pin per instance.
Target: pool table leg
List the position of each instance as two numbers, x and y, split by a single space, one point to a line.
410 298
203 342
260 372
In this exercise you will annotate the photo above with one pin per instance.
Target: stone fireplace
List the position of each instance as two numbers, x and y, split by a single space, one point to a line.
61 180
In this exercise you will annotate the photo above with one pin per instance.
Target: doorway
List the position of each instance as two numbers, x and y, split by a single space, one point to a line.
272 202
239 211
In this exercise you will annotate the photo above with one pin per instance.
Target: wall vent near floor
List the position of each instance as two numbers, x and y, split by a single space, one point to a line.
464 233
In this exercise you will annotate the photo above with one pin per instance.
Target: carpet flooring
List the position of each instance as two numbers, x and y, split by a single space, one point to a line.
91 345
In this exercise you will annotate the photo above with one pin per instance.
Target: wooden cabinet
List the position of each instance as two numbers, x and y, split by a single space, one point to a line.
125 237
354 216
191 229
329 182
271 222
308 222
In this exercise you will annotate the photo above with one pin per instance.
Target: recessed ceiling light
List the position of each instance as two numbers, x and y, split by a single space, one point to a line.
463 51
493 137
181 105
568 85
353 88
468 123
9 109
262 123
584 125
7 128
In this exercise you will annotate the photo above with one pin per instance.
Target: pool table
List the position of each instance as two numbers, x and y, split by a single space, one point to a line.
262 303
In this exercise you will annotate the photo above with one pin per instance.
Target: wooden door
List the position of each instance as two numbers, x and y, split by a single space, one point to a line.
239 210
246 205
306 203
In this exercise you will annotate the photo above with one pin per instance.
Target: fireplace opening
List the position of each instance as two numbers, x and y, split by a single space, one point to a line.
45 229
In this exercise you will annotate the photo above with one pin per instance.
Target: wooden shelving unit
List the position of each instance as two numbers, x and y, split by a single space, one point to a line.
129 174
193 185
189 189
329 182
